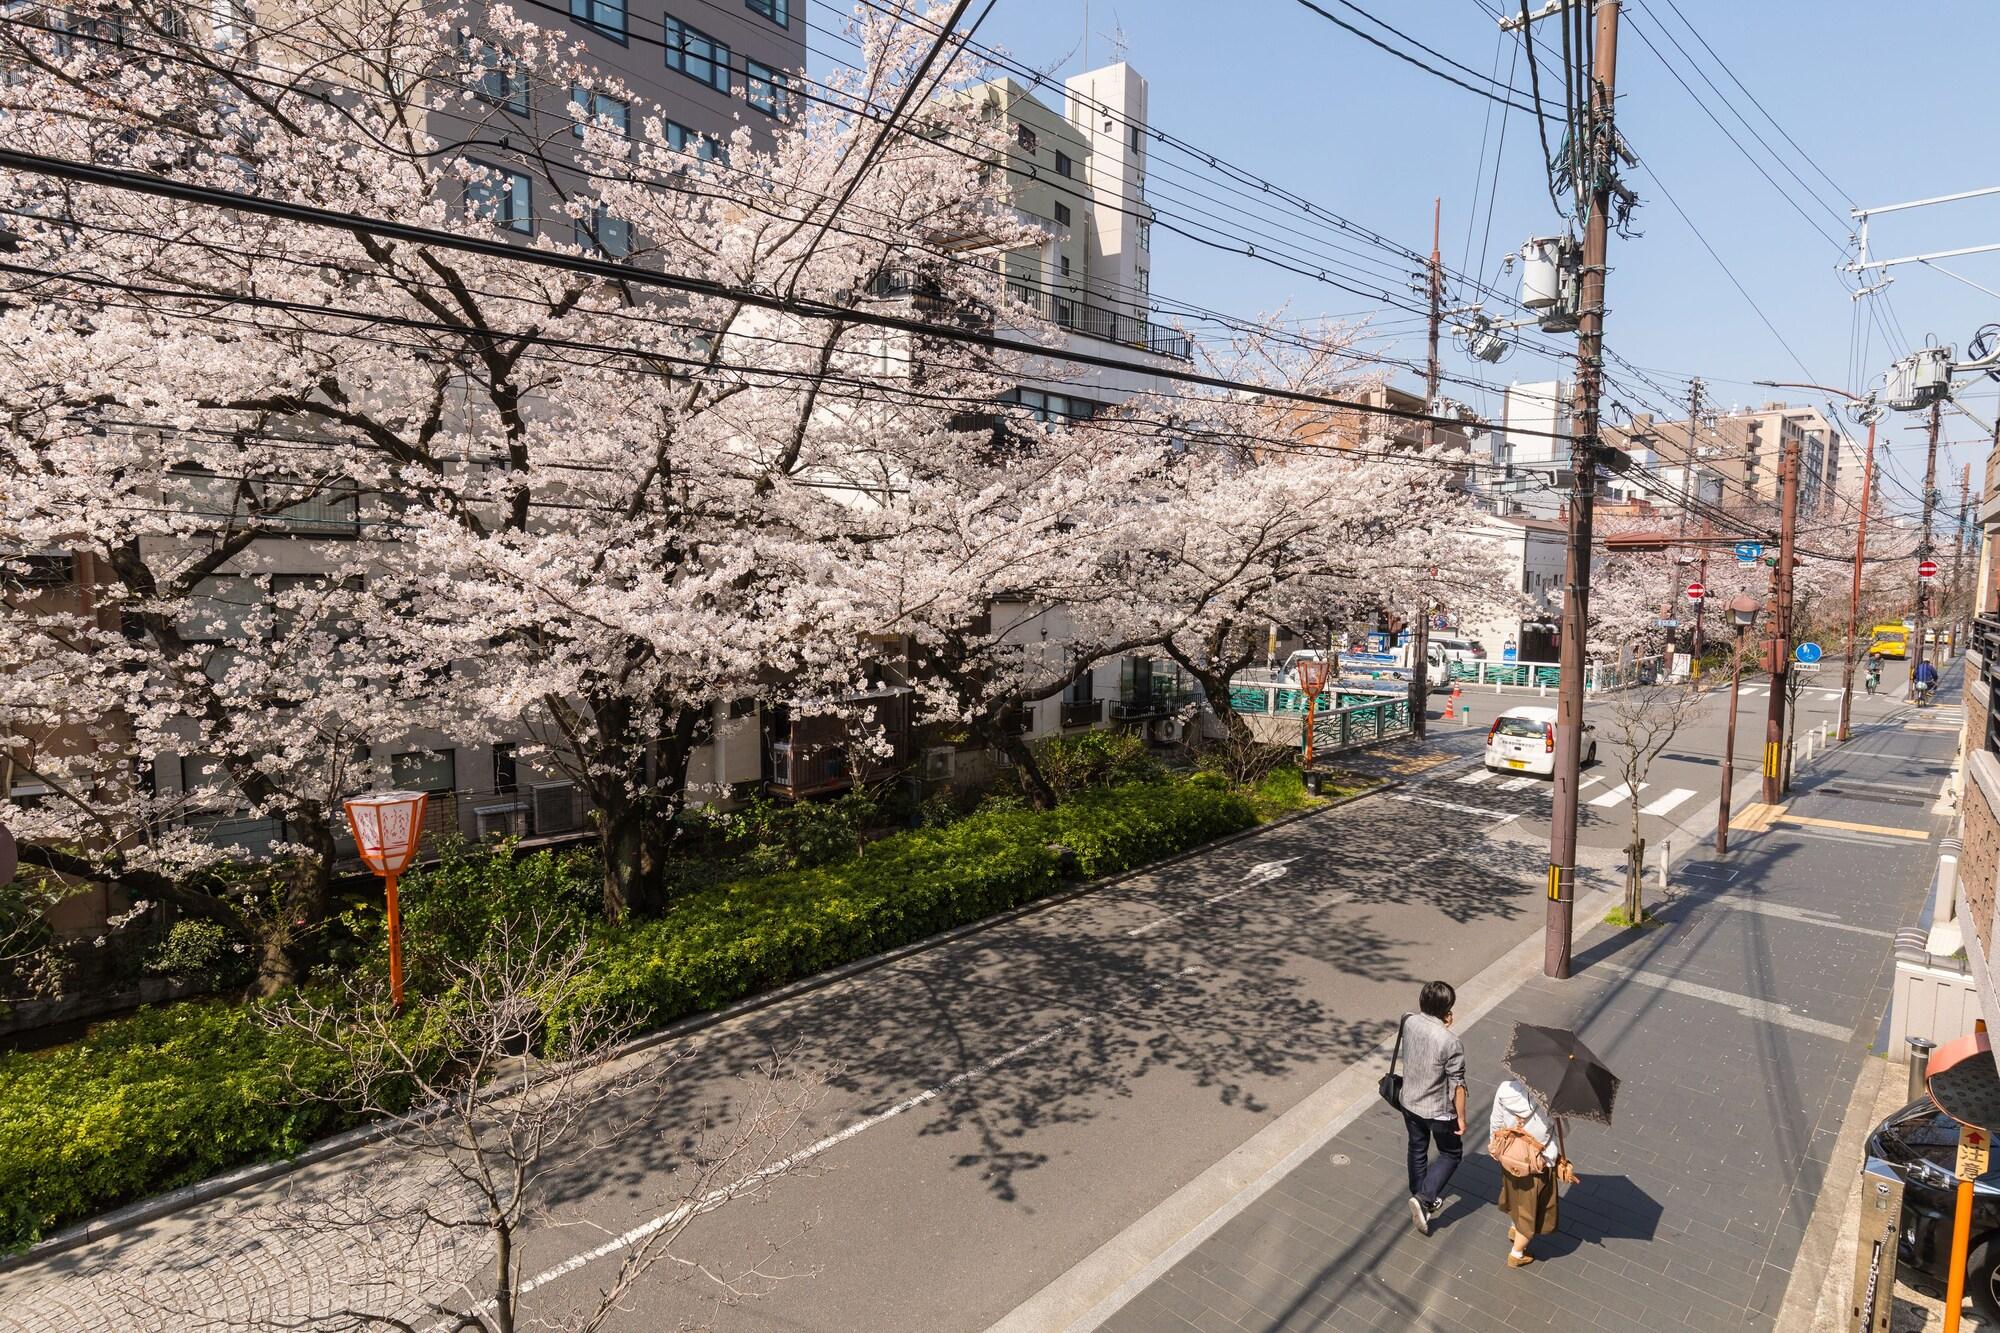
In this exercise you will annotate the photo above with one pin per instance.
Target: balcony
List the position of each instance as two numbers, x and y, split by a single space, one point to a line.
1163 700
1107 325
928 298
1081 713
814 756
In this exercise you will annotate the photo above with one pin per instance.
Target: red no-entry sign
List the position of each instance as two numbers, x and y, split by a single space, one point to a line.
1927 569
1696 592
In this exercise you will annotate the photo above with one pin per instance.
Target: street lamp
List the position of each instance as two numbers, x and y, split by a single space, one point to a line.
387 827
1312 673
1742 614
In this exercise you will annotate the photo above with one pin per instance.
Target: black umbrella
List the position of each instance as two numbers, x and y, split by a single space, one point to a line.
1562 1071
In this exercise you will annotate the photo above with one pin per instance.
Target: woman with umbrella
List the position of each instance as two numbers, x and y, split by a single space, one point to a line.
1555 1075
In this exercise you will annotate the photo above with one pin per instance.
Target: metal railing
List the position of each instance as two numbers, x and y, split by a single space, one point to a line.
1596 675
1357 725
1157 702
1082 712
1109 325
814 770
925 294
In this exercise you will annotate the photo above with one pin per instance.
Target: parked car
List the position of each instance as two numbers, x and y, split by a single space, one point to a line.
1920 1144
1459 650
1523 740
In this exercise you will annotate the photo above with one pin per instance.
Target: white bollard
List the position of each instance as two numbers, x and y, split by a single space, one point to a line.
1810 736
1666 855
1544 687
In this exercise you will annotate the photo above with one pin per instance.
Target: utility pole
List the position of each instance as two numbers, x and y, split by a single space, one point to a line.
1854 588
1420 631
1701 608
1957 592
1688 488
1924 549
1781 626
1584 450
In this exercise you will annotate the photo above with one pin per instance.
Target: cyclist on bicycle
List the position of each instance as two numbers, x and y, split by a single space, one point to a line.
1926 681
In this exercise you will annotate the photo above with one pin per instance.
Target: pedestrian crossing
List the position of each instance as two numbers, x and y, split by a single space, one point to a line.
1764 691
1654 801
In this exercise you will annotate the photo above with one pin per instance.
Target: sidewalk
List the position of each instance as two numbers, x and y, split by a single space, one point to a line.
1739 1026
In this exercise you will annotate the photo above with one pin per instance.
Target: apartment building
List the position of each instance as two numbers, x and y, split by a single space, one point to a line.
1733 458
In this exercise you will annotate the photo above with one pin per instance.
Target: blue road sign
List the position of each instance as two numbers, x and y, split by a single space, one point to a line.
1749 552
1807 652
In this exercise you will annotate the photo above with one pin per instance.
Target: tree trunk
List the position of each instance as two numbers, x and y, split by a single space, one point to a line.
1635 879
287 941
1213 675
639 804
634 879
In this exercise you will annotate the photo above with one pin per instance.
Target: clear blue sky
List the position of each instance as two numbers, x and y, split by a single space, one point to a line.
1893 102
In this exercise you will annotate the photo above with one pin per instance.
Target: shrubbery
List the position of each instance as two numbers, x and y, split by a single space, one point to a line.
173 1094
1071 764
142 1104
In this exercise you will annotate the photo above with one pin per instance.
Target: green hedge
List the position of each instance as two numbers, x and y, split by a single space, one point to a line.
752 935
174 1094
142 1104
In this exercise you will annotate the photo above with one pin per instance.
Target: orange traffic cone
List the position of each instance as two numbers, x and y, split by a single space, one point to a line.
1451 705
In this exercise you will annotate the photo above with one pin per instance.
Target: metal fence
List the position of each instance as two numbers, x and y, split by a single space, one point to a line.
1356 725
1596 675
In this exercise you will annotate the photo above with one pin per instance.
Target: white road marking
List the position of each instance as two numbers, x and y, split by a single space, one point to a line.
1516 784
1590 781
715 1198
1750 1006
1617 795
1784 913
1261 873
1475 777
1500 815
1666 803
1830 695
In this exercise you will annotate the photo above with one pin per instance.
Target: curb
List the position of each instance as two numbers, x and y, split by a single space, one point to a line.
229 1182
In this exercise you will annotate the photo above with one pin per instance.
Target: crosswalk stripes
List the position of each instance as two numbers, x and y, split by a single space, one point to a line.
1517 784
1665 804
1589 780
1617 795
1475 777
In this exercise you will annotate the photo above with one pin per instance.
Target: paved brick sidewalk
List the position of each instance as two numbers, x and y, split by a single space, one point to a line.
1737 1027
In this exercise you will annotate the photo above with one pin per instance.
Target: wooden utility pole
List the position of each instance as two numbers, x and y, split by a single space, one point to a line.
1924 548
1670 609
1956 590
1584 453
1854 588
1781 625
1420 629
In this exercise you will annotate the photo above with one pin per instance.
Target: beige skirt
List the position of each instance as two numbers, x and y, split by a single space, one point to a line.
1529 1202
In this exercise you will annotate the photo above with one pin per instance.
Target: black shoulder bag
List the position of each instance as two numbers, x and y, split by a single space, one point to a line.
1391 1084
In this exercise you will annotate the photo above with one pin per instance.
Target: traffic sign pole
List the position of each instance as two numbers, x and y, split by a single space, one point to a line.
1781 629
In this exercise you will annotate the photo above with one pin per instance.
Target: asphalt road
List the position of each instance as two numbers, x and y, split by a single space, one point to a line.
997 1107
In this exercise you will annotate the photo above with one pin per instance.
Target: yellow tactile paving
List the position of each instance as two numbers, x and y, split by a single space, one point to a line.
1915 834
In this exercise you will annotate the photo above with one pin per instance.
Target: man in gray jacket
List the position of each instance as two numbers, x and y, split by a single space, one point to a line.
1433 1100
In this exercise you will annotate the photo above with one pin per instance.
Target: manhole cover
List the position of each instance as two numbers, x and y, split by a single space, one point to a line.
1341 1159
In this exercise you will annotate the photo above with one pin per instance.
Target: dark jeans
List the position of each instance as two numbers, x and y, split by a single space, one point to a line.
1428 1177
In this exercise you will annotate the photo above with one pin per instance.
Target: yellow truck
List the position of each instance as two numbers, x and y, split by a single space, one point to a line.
1889 641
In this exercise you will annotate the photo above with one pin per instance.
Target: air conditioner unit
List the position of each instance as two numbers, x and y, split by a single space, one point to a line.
1168 730
555 807
938 763
500 821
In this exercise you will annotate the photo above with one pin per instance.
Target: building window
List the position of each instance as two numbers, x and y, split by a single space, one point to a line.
1045 406
590 107
1062 213
1064 167
1137 134
1142 282
1062 263
1145 235
605 16
697 55
1025 137
778 11
501 197
506 766
423 770
704 146
602 234
764 88
501 81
